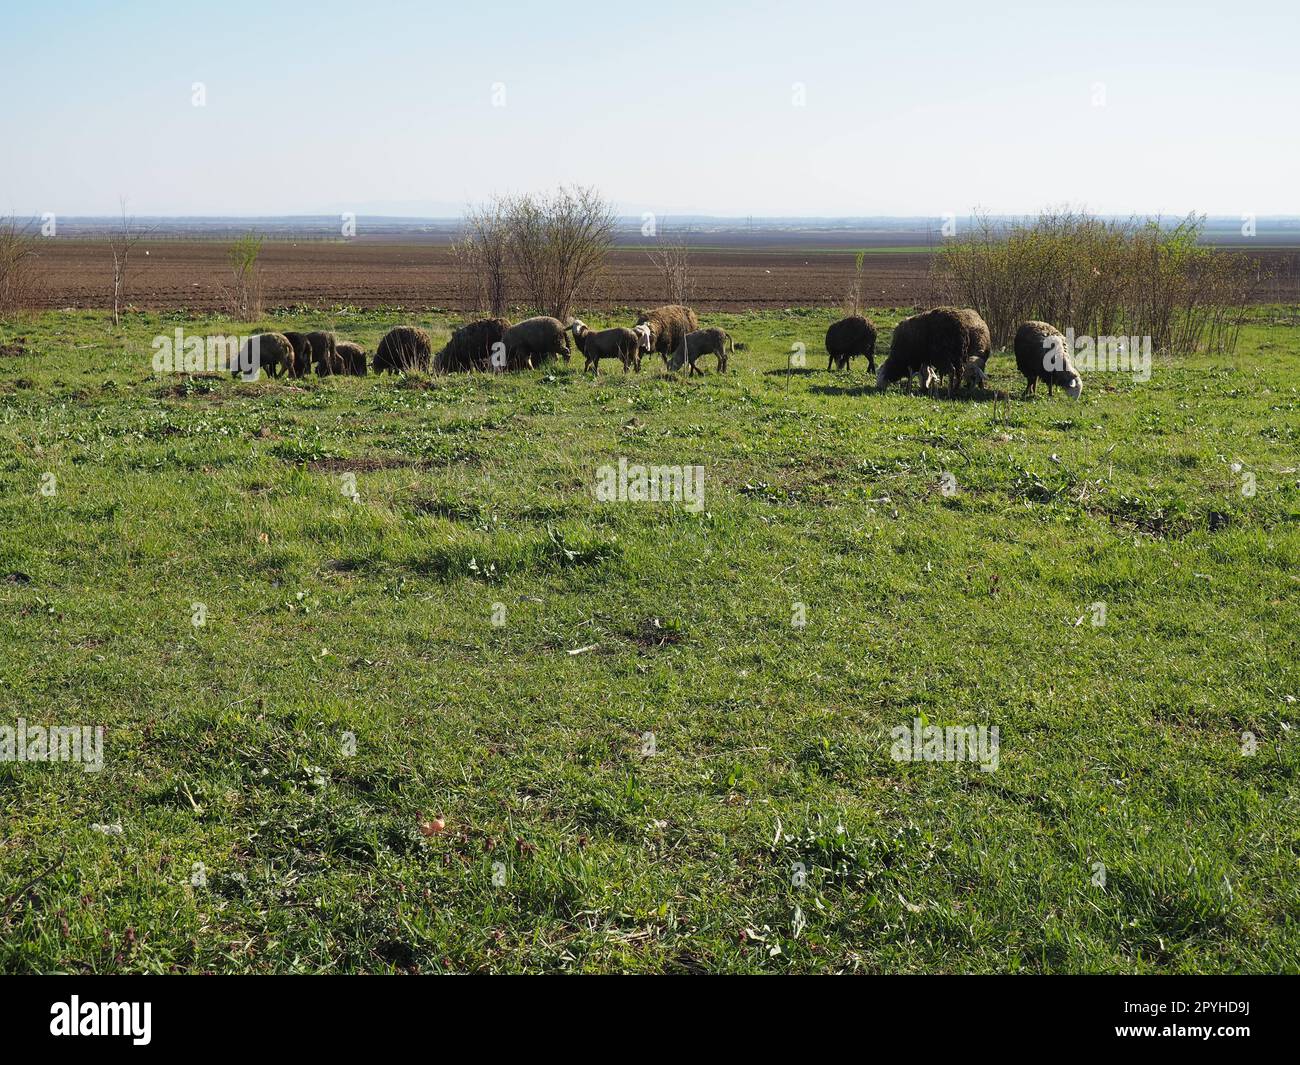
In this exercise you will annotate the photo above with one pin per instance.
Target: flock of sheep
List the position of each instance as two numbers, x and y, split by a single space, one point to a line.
940 342
952 342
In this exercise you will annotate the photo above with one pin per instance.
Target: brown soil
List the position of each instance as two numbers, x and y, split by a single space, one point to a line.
174 274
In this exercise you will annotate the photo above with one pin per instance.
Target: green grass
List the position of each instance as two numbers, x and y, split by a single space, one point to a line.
226 745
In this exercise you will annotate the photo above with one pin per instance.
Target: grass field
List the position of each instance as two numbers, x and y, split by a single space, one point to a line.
267 773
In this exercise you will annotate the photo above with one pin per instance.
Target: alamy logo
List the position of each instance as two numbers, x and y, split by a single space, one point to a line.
55 743
103 1018
651 484
921 742
205 354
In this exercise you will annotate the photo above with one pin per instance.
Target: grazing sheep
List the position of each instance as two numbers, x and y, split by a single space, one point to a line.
533 341
619 343
324 352
1041 356
979 342
703 342
668 324
848 337
301 354
270 352
937 338
403 348
354 359
471 347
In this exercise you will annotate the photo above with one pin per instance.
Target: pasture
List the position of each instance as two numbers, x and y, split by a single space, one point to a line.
443 710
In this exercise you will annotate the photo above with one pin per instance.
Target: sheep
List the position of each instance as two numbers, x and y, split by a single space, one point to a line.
533 340
403 348
703 342
619 343
471 347
848 337
938 338
1041 356
301 354
979 342
644 337
266 351
668 324
324 351
354 359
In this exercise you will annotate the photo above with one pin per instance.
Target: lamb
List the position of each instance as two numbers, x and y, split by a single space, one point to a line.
644 337
534 340
301 354
668 324
403 348
324 351
848 337
703 342
354 359
471 347
266 351
619 343
1041 356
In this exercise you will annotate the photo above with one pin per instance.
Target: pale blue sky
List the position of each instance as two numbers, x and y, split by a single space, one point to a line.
920 108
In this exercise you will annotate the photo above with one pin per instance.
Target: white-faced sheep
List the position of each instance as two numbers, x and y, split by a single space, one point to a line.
848 337
668 324
713 341
1041 356
618 343
534 340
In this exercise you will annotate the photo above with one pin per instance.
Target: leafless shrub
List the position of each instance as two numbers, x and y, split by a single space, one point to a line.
557 246
122 240
1134 277
484 255
671 257
851 305
17 267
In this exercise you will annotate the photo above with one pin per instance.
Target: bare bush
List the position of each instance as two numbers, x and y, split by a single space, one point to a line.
1134 277
17 267
558 245
852 303
244 293
484 255
672 260
122 240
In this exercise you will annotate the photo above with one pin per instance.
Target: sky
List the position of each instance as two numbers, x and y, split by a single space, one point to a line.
808 108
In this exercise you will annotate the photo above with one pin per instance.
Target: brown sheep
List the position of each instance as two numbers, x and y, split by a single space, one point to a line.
301 353
271 352
471 347
848 337
353 358
324 353
533 341
668 326
703 342
403 348
934 338
622 344
1041 356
